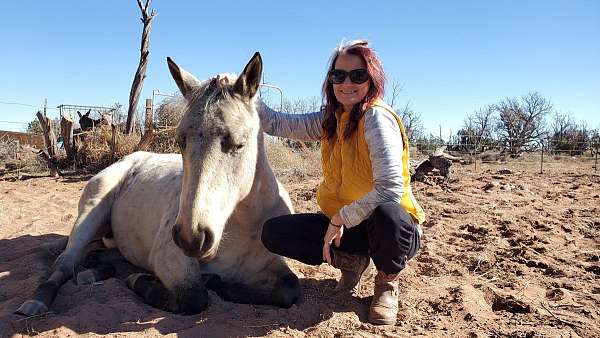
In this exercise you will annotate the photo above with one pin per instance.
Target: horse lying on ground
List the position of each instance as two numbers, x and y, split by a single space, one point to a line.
192 221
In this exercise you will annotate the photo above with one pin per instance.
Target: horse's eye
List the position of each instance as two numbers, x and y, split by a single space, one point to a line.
228 145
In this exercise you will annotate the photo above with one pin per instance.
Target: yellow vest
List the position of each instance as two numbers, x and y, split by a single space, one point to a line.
347 171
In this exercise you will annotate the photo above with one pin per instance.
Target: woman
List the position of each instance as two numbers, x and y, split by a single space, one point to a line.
365 196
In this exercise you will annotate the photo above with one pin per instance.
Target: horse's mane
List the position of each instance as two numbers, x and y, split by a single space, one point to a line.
211 94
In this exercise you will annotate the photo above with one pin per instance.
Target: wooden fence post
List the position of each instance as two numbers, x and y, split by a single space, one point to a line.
149 125
49 137
51 150
596 160
148 136
66 131
542 160
113 143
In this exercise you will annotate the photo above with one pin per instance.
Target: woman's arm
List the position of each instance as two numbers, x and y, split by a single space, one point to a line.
304 127
384 140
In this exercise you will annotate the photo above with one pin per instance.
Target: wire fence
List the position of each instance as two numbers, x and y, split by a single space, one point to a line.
541 155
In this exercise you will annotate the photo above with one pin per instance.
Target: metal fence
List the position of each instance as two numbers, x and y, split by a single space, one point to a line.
70 111
544 153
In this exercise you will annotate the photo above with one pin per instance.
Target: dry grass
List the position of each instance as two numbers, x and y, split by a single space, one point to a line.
292 165
95 153
16 158
164 141
8 149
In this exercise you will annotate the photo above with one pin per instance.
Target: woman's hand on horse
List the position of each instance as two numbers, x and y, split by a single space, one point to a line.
334 234
224 79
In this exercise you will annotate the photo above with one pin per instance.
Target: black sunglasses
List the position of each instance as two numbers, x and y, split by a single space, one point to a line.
357 76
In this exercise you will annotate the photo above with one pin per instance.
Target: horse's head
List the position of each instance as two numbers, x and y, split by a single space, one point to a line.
86 122
218 140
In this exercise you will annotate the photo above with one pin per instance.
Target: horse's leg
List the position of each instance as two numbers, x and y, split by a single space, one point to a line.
281 289
92 220
177 286
102 264
89 222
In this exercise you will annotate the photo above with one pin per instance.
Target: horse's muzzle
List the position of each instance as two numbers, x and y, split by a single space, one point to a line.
197 245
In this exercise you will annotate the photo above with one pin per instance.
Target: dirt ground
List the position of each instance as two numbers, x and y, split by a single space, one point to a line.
505 254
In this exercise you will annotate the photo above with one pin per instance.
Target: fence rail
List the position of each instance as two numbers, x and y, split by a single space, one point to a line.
586 153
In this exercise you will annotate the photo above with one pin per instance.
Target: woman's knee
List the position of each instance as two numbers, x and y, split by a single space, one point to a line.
269 236
392 229
391 218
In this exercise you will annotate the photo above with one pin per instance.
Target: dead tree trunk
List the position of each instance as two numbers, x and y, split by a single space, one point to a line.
49 137
140 74
50 143
66 131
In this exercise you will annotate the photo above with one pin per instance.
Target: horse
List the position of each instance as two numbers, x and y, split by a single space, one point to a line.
86 122
190 222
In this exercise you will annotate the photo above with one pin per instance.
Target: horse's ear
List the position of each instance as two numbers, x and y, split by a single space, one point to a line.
248 82
184 80
79 113
88 113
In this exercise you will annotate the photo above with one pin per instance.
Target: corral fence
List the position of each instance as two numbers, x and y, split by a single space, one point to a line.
95 112
545 152
542 154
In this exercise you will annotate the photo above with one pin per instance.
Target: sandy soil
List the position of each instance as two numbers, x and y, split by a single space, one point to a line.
504 255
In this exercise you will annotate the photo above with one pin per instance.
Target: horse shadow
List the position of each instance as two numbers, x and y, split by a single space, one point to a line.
110 307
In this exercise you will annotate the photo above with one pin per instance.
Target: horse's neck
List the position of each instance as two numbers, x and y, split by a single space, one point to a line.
263 195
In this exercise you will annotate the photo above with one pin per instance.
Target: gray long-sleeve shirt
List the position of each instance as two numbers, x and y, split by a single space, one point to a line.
384 141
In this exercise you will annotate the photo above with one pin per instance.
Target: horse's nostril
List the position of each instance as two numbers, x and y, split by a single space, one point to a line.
209 238
175 234
196 246
200 239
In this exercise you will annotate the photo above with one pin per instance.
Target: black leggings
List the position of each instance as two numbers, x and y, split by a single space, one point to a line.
389 236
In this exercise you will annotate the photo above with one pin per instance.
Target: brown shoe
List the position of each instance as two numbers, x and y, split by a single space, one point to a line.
384 306
352 267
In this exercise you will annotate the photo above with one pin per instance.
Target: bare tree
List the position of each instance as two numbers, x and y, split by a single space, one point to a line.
302 105
140 74
396 90
559 125
521 123
568 136
411 121
477 131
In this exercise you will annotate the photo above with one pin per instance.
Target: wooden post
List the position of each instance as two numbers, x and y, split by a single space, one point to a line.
596 160
49 137
542 160
149 125
148 136
113 143
66 131
50 143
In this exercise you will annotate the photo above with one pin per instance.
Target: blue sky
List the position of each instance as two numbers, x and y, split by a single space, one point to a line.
451 57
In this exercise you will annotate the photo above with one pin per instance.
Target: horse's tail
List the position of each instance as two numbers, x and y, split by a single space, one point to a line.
93 221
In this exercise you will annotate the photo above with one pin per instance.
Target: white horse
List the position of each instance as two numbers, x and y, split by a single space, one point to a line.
193 221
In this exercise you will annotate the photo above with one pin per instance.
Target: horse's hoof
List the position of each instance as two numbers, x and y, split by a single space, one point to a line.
131 279
32 308
86 277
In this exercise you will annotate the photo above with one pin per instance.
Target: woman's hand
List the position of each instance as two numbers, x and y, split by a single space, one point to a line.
225 79
335 231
